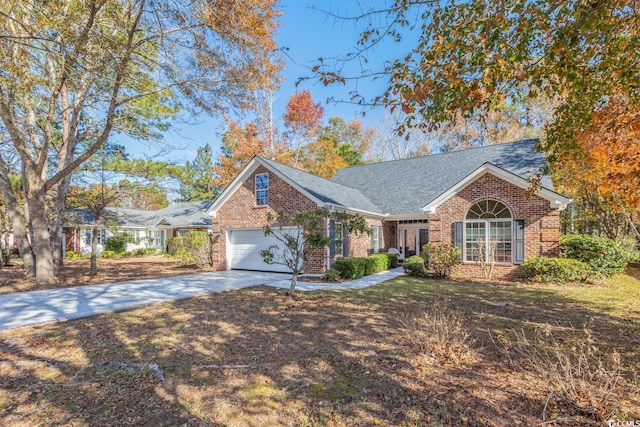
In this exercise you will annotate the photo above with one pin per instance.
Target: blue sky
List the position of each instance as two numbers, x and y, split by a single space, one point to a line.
309 34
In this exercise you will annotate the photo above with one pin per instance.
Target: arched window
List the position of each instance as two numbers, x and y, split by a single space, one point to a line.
488 232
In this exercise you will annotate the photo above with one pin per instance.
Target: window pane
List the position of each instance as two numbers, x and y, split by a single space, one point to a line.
262 186
500 232
338 239
262 181
471 251
474 231
375 239
488 209
503 252
262 197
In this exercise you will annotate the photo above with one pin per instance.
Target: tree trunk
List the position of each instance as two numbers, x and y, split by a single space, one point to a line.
94 250
57 223
294 281
19 226
45 273
24 246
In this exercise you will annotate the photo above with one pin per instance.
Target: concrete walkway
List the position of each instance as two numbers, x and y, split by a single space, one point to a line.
364 282
31 308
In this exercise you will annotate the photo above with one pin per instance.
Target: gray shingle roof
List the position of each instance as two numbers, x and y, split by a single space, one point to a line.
186 214
403 187
325 190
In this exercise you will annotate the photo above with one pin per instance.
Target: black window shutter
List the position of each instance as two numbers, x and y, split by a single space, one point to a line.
457 236
519 233
332 236
345 234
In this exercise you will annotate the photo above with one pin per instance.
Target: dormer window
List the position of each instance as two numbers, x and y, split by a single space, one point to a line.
262 189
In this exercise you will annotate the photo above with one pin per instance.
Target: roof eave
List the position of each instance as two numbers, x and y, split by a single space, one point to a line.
556 200
366 213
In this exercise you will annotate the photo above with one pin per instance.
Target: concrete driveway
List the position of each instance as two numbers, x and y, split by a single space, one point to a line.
29 308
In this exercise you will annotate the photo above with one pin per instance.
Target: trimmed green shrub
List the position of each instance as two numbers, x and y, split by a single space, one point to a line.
117 244
331 275
384 261
150 251
192 248
73 255
393 260
370 266
380 262
560 270
108 254
604 256
440 257
414 266
351 268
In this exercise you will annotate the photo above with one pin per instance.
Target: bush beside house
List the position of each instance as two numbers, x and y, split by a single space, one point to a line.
414 266
583 259
604 256
440 258
192 248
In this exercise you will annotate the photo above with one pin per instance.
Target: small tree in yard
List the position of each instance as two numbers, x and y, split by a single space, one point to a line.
301 234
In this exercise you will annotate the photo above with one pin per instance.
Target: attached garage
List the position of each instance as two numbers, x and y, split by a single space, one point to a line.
243 250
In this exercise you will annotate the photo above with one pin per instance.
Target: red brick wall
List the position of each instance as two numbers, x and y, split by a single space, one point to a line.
360 245
240 211
542 224
389 235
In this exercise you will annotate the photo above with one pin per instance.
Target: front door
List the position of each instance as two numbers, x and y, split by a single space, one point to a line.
411 240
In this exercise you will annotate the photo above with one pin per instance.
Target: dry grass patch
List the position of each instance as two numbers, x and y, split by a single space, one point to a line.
576 372
439 335
75 272
253 357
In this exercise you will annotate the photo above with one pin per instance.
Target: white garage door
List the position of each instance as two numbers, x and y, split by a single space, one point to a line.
244 250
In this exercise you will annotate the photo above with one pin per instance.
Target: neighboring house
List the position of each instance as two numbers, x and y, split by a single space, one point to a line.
458 197
147 229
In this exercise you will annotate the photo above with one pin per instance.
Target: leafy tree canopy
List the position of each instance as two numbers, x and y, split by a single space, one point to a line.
74 72
472 56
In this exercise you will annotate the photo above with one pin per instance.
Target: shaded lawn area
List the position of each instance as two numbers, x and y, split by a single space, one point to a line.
254 357
75 272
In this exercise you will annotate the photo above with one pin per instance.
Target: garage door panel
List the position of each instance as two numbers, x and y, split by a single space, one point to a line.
244 250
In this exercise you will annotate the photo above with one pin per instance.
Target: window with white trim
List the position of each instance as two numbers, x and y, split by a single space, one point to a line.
338 238
262 189
133 235
156 238
376 239
488 231
88 235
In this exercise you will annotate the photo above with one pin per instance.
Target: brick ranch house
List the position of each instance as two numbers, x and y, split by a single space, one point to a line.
457 197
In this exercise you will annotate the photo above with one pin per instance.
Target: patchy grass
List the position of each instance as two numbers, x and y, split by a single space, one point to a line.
75 272
339 358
